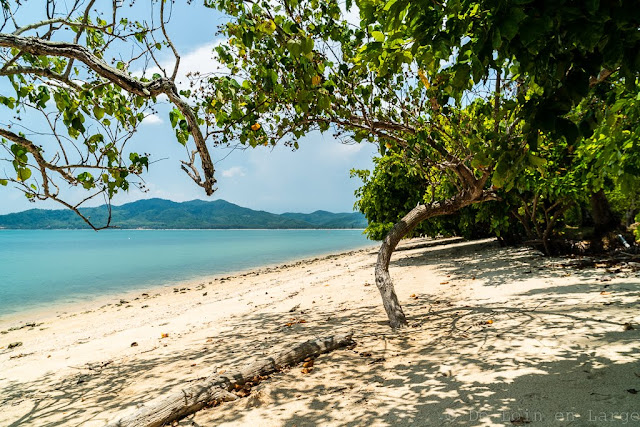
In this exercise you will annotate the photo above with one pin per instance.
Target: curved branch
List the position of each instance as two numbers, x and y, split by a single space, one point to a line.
43 165
42 72
409 222
161 86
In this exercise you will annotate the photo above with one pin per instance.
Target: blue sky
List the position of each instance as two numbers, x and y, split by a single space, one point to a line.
277 180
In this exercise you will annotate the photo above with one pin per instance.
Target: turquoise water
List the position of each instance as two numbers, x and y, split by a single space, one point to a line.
44 267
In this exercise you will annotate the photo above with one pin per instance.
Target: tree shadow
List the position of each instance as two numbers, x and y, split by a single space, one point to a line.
533 359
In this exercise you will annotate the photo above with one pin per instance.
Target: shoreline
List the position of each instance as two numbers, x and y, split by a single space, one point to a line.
491 330
45 310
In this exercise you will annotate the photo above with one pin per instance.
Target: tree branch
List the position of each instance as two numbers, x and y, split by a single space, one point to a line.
153 88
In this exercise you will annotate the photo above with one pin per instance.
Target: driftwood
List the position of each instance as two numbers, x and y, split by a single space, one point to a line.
217 388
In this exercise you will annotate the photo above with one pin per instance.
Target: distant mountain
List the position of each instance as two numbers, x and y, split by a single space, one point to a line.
324 219
197 214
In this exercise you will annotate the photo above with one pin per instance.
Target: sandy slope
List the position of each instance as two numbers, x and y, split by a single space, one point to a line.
497 337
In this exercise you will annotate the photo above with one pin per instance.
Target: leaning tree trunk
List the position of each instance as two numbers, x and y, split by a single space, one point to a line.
418 214
393 308
604 220
603 217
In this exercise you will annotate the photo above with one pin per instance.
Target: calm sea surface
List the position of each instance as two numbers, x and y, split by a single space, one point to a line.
44 267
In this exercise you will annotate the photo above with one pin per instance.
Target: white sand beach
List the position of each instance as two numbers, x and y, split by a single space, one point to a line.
497 336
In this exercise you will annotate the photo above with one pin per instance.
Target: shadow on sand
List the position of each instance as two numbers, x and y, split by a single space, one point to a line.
534 360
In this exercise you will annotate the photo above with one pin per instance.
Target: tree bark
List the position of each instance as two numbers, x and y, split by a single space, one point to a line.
603 217
217 388
604 220
397 318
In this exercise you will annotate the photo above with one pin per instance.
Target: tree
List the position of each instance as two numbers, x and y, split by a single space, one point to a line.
57 72
466 89
300 67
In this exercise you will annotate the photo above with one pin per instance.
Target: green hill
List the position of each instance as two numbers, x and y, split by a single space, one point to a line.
324 219
198 214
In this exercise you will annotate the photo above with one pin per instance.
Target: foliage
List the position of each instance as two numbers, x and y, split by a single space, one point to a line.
68 111
392 189
562 47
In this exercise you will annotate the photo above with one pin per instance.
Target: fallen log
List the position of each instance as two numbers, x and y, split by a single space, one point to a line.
217 388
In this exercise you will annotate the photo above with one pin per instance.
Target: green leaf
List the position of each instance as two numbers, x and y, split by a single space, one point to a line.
307 45
509 27
295 47
247 38
24 174
377 36
98 112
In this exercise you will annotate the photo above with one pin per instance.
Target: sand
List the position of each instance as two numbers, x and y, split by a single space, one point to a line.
497 336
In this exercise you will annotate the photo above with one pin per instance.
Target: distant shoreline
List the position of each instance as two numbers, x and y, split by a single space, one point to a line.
48 310
158 214
183 276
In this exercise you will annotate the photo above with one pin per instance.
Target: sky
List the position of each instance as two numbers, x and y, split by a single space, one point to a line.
273 179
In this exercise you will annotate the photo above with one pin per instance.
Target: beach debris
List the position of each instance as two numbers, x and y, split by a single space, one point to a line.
294 321
628 327
18 356
307 365
205 294
145 295
164 335
632 391
124 301
444 283
294 308
144 306
414 296
367 284
14 344
26 325
605 293
605 279
378 360
365 354
134 344
520 421
99 366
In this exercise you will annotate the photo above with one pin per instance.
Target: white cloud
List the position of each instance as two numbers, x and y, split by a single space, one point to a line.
347 149
152 119
234 171
352 16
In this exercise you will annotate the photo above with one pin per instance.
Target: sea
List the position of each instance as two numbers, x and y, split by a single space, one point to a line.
44 268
